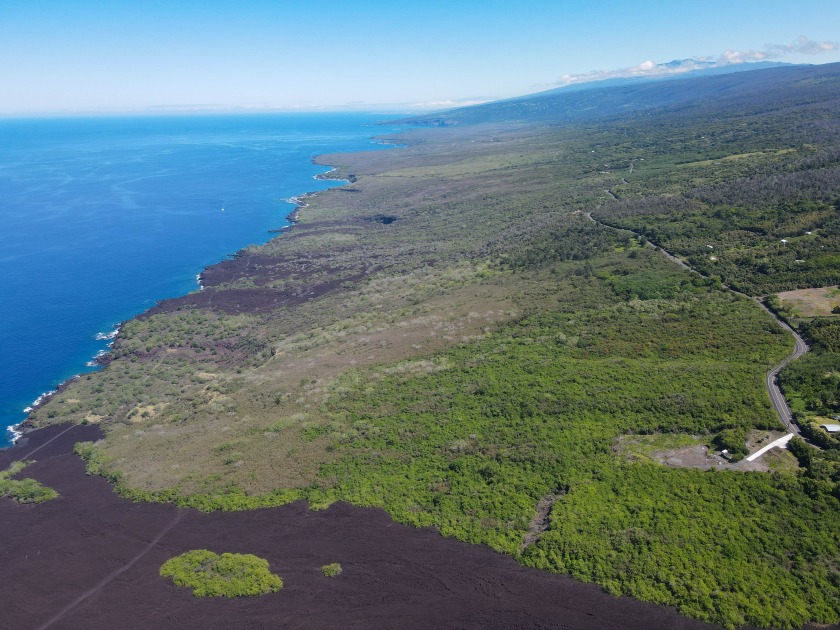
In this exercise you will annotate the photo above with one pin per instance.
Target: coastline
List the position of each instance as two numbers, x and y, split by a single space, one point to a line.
99 360
103 357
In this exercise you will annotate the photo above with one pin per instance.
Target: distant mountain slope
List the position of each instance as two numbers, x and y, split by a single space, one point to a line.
755 90
679 67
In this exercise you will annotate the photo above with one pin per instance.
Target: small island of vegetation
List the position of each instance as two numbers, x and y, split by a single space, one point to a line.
331 570
23 490
226 575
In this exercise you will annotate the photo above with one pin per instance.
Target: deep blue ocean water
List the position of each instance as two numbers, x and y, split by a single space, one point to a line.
100 218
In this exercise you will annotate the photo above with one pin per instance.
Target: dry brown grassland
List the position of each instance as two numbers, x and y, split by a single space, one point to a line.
817 302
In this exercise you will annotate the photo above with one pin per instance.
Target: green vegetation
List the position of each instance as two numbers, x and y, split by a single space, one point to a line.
763 246
473 448
230 574
812 384
331 570
733 441
491 346
704 541
23 490
812 388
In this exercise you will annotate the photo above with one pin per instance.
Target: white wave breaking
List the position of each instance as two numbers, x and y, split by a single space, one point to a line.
95 361
39 400
322 176
108 335
14 430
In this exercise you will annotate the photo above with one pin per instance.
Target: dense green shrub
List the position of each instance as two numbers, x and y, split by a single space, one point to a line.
229 574
23 490
733 441
823 333
813 383
331 570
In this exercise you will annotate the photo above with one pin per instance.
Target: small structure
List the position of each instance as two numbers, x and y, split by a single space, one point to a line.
831 428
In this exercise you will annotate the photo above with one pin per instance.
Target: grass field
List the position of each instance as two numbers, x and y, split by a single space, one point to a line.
818 302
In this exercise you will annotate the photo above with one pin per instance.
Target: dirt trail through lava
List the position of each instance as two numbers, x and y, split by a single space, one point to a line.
113 574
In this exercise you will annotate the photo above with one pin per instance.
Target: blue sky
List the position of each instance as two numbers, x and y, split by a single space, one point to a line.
86 55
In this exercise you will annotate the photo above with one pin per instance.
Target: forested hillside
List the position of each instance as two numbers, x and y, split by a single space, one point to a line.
470 333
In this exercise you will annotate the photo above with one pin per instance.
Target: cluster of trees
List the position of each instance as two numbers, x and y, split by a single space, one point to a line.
733 441
822 467
331 570
823 333
23 490
742 245
812 385
735 549
209 574
728 218
572 241
784 189
653 205
653 284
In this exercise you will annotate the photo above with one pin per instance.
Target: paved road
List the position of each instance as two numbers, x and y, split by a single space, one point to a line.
779 402
776 397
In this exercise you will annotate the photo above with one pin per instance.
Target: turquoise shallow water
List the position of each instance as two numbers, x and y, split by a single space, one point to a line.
102 217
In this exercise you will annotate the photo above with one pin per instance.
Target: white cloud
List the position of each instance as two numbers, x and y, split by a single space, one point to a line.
463 102
801 46
647 68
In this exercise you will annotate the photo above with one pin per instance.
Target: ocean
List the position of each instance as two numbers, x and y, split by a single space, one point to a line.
102 217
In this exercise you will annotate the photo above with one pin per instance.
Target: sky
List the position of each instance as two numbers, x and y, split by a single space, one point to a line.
63 56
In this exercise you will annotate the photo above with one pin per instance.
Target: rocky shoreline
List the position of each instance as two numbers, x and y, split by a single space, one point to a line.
223 271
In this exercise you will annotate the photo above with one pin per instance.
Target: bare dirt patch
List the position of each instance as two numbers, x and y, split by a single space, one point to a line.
777 459
678 450
691 457
540 521
688 451
817 302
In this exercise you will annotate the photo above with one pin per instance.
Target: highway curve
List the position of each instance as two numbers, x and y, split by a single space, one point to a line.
779 402
776 397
